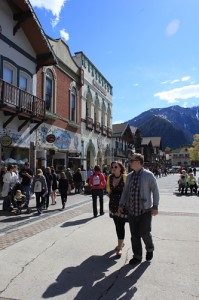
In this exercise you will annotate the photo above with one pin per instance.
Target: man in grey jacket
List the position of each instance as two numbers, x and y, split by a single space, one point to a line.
141 198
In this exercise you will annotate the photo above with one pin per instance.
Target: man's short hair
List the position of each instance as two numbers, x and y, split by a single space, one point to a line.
139 157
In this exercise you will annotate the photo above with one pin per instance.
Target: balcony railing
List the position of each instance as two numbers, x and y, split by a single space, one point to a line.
104 130
20 100
97 127
89 123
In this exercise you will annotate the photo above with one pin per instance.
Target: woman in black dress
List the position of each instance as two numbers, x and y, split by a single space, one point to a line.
114 187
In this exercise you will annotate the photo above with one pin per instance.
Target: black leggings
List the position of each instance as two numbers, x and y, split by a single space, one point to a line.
120 227
63 195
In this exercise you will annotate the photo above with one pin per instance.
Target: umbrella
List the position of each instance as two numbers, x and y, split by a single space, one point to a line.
10 161
20 162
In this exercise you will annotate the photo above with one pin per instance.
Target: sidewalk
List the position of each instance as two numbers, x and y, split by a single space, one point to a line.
74 258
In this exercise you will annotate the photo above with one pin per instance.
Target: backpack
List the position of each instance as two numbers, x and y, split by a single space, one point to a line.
96 180
38 186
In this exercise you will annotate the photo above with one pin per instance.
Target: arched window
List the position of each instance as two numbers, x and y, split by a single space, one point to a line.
103 113
96 109
9 73
88 103
73 105
109 116
49 90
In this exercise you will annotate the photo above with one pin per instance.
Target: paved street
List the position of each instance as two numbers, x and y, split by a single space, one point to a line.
69 254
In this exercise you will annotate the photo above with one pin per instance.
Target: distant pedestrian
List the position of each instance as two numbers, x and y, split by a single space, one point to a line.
141 197
77 178
49 181
54 186
9 181
63 188
40 188
26 175
98 183
69 176
2 173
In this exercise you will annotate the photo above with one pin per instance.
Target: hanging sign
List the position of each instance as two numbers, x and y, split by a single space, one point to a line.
50 138
6 140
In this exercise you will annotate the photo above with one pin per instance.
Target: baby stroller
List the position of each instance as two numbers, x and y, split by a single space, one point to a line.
18 199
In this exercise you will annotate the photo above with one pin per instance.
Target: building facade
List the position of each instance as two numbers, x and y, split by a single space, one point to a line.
21 111
180 157
59 137
96 114
125 140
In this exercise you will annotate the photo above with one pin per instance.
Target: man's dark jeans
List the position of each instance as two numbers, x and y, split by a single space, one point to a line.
140 227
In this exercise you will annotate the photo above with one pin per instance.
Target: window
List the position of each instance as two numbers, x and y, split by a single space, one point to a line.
49 90
109 116
9 73
73 105
103 113
88 103
24 81
96 108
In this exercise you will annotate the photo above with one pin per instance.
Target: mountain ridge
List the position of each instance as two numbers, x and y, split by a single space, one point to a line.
175 125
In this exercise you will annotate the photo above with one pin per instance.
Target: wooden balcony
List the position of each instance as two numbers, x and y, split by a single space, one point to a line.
14 100
97 127
104 130
109 132
89 123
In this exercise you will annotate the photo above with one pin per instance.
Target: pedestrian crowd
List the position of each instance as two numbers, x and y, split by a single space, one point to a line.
133 195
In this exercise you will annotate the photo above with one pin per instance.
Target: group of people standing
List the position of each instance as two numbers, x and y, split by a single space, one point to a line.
44 185
188 181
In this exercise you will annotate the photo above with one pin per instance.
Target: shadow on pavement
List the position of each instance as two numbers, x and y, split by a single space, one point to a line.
77 222
92 281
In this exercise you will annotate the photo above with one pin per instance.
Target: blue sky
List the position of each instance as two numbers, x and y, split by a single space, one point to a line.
147 49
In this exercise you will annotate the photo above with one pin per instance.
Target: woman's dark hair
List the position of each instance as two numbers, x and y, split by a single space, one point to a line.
122 169
97 168
10 167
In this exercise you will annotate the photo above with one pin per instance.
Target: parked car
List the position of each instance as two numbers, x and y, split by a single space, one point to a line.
174 169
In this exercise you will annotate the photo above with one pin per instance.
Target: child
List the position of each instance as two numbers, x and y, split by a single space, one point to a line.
19 197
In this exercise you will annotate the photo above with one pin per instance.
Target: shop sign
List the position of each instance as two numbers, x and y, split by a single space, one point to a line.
50 138
74 154
6 140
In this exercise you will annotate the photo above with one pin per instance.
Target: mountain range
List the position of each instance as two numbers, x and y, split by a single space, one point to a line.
175 125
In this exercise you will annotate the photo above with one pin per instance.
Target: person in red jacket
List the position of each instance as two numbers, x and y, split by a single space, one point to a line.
98 183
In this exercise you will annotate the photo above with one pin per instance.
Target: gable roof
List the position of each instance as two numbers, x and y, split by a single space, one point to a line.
146 141
119 129
27 20
156 141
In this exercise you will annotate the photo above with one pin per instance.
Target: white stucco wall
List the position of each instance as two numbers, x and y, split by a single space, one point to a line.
7 24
